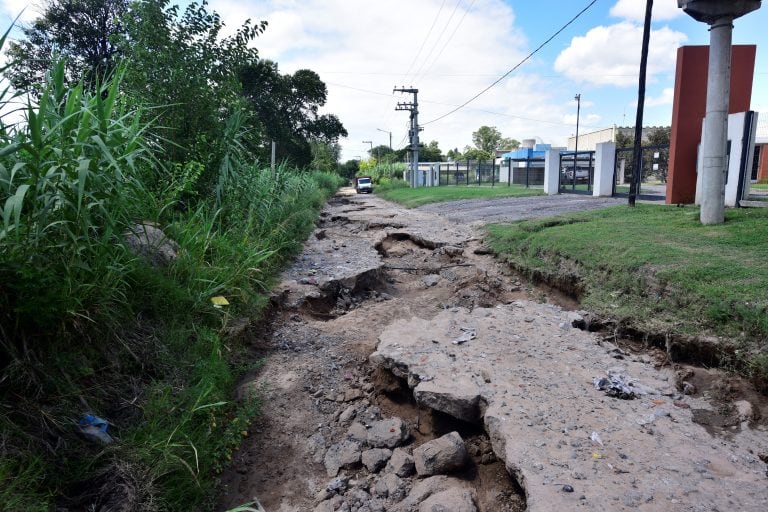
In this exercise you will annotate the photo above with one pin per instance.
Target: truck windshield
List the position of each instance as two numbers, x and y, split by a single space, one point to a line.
364 181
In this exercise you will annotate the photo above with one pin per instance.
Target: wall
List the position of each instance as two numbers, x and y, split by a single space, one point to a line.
689 108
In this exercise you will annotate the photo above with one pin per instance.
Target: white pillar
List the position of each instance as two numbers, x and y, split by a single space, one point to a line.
552 172
605 167
714 143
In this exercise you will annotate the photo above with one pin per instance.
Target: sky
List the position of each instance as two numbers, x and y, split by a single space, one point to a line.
453 49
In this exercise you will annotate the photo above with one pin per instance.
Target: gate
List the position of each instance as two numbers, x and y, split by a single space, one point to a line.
577 172
654 164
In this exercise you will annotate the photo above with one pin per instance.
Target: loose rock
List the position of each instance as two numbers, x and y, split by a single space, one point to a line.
387 433
451 500
375 458
342 455
401 463
440 456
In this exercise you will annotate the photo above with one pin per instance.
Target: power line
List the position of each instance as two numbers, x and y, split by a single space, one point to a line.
450 38
437 41
368 91
505 75
426 38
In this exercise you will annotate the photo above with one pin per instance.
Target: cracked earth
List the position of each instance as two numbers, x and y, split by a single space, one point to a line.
404 369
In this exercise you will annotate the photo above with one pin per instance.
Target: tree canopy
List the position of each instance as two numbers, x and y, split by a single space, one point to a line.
489 139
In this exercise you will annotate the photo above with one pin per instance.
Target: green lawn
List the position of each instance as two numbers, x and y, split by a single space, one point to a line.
759 186
413 197
655 268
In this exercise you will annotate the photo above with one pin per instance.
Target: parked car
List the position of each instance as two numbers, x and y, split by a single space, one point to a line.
363 185
582 175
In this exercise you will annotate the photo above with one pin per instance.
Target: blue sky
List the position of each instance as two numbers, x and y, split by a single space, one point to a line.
362 48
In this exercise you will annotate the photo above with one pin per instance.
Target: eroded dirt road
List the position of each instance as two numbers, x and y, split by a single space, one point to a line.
394 331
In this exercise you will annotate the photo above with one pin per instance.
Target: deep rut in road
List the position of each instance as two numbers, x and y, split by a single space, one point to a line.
316 373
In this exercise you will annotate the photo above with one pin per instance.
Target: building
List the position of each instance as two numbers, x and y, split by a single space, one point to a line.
589 141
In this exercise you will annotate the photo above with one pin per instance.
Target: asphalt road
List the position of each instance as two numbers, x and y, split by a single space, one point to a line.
509 209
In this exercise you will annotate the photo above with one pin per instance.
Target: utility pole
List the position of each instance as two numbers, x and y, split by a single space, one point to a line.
719 15
576 145
637 171
414 130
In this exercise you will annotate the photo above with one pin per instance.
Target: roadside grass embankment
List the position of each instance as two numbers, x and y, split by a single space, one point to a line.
657 270
399 192
87 327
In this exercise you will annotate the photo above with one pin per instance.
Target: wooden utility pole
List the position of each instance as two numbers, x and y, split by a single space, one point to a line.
637 172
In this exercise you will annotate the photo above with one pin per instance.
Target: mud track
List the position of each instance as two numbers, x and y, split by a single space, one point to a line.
363 329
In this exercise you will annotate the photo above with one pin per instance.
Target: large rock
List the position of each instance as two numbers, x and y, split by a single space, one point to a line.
150 243
390 486
451 500
441 455
400 463
375 458
342 455
387 433
423 489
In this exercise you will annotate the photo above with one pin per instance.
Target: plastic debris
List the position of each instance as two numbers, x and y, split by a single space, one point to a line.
467 334
219 301
616 385
94 429
567 488
595 437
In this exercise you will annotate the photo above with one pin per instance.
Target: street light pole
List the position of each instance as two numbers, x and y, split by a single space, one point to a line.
371 143
390 136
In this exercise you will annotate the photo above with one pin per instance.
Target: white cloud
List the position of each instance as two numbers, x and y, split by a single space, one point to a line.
13 8
635 10
369 45
610 55
585 120
665 98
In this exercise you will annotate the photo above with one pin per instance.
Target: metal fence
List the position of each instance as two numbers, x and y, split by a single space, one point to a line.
577 172
525 172
654 166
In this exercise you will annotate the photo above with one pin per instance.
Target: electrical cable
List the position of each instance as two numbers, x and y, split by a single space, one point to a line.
505 75
437 41
450 38
426 38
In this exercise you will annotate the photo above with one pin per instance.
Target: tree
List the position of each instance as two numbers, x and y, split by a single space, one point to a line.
349 168
659 136
430 153
325 156
476 154
453 154
286 108
382 153
83 32
489 139
183 69
624 140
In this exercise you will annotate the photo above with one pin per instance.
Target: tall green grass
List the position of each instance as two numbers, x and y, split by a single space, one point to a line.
86 326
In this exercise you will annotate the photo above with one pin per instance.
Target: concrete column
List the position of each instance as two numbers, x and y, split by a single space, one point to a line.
714 143
605 169
552 172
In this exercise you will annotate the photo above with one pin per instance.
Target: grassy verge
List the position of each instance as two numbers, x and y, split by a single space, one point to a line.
90 326
413 197
657 269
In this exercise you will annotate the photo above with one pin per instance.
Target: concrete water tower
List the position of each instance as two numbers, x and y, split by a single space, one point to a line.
719 14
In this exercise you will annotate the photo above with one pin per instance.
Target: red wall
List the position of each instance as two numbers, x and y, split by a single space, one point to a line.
762 172
690 105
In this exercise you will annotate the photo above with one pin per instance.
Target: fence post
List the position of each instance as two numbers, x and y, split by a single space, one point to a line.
509 172
527 171
466 174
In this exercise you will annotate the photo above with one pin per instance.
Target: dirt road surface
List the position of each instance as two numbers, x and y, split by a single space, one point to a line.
406 370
